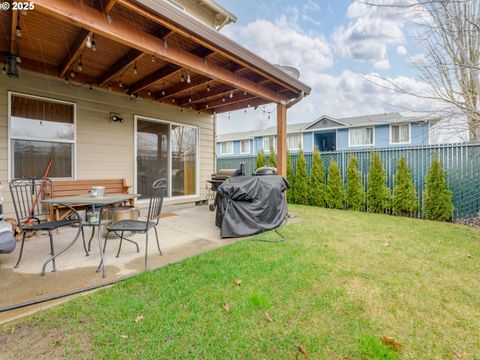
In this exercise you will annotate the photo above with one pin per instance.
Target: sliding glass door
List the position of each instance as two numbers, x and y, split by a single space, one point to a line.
166 150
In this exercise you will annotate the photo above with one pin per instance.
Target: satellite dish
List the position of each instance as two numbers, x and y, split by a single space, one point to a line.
290 70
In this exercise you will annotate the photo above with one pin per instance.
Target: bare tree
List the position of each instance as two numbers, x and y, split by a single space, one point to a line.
448 33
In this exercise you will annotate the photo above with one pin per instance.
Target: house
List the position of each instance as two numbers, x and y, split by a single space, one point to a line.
331 134
126 89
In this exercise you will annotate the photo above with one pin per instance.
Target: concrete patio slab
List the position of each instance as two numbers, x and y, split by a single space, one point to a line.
190 231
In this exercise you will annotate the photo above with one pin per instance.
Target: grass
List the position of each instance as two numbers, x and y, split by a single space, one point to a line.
340 282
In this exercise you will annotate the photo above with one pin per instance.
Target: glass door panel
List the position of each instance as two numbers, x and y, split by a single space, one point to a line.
184 160
152 155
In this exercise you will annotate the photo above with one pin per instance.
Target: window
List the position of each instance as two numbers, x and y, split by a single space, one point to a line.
294 141
245 146
226 148
166 150
400 134
267 142
360 136
41 133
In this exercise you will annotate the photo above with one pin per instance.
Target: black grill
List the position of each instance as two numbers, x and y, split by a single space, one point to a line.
220 177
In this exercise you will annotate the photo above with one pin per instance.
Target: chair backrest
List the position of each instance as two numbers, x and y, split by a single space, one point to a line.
156 200
27 196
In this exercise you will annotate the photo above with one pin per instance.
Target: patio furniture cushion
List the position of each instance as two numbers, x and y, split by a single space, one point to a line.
131 225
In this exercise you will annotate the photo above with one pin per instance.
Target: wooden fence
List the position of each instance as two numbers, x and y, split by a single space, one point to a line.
460 161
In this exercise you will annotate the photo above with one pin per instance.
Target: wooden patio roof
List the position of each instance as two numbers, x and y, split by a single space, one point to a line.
144 48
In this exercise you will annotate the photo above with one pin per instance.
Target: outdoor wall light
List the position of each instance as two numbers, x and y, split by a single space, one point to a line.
115 117
12 69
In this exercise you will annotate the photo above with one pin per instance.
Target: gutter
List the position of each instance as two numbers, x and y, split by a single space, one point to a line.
297 100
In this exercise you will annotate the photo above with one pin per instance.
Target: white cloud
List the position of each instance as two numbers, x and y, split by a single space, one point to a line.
401 50
382 64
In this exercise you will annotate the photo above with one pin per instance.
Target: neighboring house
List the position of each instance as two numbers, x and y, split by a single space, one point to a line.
125 89
330 134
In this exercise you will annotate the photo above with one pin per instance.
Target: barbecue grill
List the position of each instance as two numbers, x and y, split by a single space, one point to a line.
218 179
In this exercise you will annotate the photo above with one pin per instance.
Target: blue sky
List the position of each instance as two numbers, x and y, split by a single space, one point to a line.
343 49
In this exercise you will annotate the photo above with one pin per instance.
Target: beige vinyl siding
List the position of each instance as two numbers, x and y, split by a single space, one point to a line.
103 149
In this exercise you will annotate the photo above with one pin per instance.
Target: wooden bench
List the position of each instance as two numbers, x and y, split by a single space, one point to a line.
77 187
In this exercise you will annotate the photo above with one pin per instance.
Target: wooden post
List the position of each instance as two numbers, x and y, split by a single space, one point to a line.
282 139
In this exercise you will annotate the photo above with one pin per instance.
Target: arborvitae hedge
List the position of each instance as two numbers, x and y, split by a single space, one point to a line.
260 159
437 197
291 180
301 180
405 199
272 159
335 194
317 180
355 193
377 191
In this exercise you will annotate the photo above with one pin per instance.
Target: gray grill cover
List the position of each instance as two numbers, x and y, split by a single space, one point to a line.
248 205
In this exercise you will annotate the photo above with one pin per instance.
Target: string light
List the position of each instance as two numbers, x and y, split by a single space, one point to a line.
66 79
244 93
109 18
231 94
120 84
153 58
149 93
163 89
18 59
206 106
182 78
188 77
88 42
72 74
80 65
208 87
223 99
18 31
135 69
173 100
94 46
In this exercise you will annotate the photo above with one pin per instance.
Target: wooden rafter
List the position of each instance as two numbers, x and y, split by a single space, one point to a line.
13 33
152 78
123 63
74 52
109 6
204 95
80 14
225 101
181 87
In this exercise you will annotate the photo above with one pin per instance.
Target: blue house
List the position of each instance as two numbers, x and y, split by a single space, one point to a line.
331 134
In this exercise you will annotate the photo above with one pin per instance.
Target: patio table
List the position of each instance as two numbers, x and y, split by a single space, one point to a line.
97 203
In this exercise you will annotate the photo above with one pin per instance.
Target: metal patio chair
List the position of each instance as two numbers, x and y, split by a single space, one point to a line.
142 226
34 215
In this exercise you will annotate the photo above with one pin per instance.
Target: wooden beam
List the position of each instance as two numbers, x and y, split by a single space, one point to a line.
13 33
282 139
239 105
123 63
225 101
80 14
204 95
74 52
109 6
157 75
183 86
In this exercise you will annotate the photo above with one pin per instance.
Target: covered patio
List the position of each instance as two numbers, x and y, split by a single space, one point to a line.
184 231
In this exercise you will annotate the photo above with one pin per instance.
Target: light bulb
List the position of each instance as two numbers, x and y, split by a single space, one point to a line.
188 77
109 18
18 59
208 87
206 106
182 79
153 58
231 94
88 42
120 84
135 69
149 93
66 80
189 100
223 99
94 46
72 74
173 100
18 31
80 66
163 92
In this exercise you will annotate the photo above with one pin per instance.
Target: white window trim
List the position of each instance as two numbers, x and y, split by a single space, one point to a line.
267 148
364 145
249 146
409 134
227 153
301 141
65 141
169 170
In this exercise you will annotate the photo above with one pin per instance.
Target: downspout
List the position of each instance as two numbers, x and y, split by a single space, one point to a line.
297 100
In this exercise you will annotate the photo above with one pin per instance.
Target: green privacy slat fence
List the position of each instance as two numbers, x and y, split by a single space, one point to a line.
460 161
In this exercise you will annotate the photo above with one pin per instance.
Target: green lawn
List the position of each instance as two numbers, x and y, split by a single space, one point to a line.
340 282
